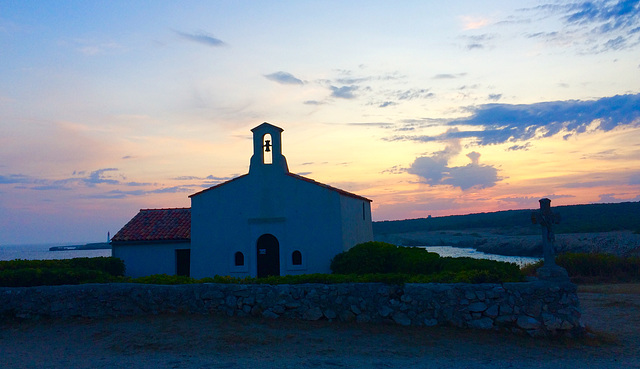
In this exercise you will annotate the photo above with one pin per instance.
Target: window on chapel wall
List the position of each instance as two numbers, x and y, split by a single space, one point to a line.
267 149
296 258
239 259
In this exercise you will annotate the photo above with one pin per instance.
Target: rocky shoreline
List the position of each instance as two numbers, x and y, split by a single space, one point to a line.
620 243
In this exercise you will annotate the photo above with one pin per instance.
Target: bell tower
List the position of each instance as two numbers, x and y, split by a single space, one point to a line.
267 150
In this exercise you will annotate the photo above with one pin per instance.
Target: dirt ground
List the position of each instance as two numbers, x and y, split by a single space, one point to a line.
195 341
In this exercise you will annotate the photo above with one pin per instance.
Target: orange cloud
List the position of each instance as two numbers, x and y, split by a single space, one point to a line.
471 22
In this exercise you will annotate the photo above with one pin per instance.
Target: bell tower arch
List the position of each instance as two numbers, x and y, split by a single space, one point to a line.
267 150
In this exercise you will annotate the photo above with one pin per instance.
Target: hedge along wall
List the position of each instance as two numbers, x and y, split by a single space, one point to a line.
536 308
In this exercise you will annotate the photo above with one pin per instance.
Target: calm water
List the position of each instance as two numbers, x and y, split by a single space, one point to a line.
41 252
457 252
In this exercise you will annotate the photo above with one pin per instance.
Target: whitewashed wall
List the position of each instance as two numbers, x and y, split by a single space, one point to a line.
305 216
301 215
145 259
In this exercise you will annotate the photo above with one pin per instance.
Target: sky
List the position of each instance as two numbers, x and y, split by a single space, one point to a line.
425 107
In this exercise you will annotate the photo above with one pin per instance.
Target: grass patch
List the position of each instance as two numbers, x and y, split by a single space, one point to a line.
622 288
584 268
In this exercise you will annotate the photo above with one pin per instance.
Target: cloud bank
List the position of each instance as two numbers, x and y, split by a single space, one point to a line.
600 25
435 170
99 179
502 123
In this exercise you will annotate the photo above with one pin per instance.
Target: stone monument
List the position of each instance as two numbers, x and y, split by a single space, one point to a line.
546 218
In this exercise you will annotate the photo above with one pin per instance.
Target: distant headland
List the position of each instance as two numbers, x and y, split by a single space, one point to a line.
86 246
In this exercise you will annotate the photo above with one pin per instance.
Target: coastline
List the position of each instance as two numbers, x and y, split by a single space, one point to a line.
86 246
619 243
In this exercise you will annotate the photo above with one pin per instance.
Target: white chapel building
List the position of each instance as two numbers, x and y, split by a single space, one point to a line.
266 222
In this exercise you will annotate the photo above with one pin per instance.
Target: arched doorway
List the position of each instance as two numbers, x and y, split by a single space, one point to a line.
268 251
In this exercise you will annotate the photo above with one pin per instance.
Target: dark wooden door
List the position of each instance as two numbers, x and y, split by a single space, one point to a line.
268 255
183 262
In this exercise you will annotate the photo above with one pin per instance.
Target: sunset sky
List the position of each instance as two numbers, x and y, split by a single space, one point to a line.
425 107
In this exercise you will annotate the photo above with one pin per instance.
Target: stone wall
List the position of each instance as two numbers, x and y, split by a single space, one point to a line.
537 308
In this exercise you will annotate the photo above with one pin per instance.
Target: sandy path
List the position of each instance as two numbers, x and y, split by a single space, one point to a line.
193 341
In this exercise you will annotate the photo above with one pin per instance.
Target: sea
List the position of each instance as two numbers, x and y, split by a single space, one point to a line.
41 252
458 252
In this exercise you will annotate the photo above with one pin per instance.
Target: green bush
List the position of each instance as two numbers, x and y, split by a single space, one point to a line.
109 265
383 258
594 268
164 279
390 278
530 269
28 277
27 273
370 257
583 267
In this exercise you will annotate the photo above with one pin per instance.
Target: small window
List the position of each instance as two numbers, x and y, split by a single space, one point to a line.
296 258
239 259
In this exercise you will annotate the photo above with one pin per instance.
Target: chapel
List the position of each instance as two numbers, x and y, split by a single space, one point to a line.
266 222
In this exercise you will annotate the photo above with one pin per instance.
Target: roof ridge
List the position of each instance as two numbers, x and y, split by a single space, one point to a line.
336 189
219 185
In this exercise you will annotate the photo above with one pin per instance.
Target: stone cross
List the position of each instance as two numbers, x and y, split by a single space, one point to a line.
546 218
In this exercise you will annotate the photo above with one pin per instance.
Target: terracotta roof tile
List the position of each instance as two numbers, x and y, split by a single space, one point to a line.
157 225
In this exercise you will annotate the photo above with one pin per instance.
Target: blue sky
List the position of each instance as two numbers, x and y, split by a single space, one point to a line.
427 108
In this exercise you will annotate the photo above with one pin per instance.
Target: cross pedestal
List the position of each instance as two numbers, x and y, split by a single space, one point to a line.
546 218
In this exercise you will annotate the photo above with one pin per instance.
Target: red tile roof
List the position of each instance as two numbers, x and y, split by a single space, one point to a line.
157 225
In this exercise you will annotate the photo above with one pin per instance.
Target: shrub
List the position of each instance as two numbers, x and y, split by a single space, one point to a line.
390 278
164 279
369 257
27 273
583 267
482 270
109 265
380 257
28 277
530 269
589 268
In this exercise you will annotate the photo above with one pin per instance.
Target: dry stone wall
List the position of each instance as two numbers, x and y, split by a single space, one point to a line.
537 308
